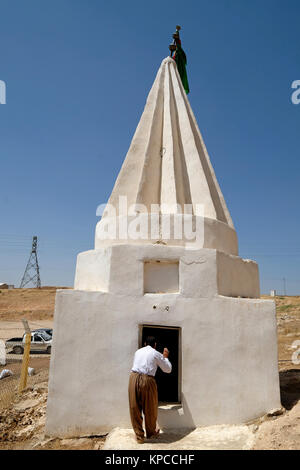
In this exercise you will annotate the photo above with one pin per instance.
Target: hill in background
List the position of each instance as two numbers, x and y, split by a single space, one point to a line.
32 304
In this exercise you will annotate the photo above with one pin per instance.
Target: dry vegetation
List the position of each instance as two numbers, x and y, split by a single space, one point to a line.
22 418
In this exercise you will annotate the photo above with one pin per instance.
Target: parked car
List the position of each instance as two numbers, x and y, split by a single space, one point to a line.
49 331
40 341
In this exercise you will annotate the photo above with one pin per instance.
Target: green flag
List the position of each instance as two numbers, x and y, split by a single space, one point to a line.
180 59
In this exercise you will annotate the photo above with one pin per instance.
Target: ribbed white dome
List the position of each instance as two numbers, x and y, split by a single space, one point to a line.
167 162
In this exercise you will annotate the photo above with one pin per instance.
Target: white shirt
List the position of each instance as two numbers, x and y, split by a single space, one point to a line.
147 359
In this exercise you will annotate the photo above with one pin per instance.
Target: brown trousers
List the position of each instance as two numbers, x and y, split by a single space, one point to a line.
143 397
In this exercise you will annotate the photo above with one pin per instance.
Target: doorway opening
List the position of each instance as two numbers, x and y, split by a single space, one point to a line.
168 385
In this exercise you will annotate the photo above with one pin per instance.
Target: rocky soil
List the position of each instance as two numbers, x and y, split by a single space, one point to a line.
22 425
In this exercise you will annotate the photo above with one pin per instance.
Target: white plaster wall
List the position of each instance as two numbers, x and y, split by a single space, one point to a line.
237 277
93 270
220 236
229 359
211 233
198 274
202 273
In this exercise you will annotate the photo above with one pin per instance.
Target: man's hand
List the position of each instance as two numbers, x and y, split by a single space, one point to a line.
166 352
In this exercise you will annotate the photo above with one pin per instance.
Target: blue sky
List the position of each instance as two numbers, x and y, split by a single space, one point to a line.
78 73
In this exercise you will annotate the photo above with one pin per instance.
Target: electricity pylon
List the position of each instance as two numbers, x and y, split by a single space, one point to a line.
32 271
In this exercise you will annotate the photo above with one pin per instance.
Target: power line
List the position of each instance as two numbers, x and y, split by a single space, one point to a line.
32 271
284 286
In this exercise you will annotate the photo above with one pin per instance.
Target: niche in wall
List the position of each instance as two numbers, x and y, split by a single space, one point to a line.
161 276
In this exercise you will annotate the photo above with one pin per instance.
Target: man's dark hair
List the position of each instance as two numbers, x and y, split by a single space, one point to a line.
150 341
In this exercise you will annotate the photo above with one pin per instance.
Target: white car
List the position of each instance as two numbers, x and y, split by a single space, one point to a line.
40 341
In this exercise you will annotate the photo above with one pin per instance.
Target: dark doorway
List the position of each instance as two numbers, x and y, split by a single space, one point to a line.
167 384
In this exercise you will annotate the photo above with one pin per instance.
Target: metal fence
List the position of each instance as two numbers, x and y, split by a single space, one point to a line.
19 371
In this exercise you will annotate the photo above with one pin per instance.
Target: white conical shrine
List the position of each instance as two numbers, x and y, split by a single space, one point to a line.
165 262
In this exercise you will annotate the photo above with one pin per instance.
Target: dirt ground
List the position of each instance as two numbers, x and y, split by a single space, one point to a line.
22 417
283 432
22 420
32 304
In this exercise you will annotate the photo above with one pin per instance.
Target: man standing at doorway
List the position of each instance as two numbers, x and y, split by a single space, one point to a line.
142 388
